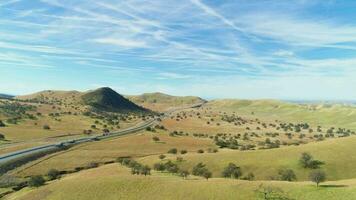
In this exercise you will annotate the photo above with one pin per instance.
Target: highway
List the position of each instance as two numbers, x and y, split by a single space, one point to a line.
16 155
22 153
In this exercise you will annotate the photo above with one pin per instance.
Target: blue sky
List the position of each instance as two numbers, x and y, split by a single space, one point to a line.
301 50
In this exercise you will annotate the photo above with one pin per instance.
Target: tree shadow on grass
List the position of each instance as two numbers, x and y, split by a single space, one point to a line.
332 186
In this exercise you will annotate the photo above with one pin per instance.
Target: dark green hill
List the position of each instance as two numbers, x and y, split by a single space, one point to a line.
106 99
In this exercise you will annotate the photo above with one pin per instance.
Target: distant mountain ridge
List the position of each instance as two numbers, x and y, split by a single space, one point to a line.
107 99
102 99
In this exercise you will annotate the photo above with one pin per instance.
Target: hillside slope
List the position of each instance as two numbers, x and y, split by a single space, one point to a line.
337 115
161 102
108 100
102 99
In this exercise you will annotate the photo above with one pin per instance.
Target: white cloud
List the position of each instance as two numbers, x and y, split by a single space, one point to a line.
122 42
171 75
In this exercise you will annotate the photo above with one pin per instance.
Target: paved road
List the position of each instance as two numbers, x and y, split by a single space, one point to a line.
34 150
22 153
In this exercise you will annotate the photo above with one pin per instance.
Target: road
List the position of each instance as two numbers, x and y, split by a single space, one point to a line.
57 146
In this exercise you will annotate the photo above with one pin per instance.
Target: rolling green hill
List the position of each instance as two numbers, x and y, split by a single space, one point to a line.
328 115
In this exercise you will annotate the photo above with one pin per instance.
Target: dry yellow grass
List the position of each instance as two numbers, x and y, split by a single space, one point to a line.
113 182
133 145
337 154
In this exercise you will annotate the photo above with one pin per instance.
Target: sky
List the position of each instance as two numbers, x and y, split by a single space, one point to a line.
246 49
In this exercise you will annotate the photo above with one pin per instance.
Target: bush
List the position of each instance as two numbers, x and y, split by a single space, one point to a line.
155 138
46 127
171 167
159 167
198 169
183 151
53 174
200 151
162 157
173 151
2 124
145 170
207 174
232 171
179 159
2 136
92 165
317 177
287 175
307 161
184 174
36 181
250 177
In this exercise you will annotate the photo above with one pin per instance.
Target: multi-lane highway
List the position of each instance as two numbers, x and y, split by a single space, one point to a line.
6 158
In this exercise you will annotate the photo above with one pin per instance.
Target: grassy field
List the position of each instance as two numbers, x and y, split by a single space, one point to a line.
101 151
337 154
316 114
115 182
162 102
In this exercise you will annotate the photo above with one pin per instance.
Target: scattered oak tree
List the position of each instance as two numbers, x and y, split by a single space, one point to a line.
317 177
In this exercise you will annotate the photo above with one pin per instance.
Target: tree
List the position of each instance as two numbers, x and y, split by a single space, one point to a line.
287 175
46 127
155 138
145 170
53 174
201 170
200 151
2 124
173 151
36 181
2 136
307 161
171 167
207 174
183 151
317 177
184 173
161 156
232 171
159 167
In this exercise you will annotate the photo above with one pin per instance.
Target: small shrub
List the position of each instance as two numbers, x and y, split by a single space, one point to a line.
53 174
46 127
184 174
287 175
159 167
183 151
162 157
155 138
36 181
173 151
92 165
200 151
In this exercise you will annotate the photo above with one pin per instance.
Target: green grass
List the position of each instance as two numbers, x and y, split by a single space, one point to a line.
112 182
319 114
101 151
340 161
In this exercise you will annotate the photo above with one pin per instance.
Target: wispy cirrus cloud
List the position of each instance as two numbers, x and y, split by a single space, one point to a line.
183 41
